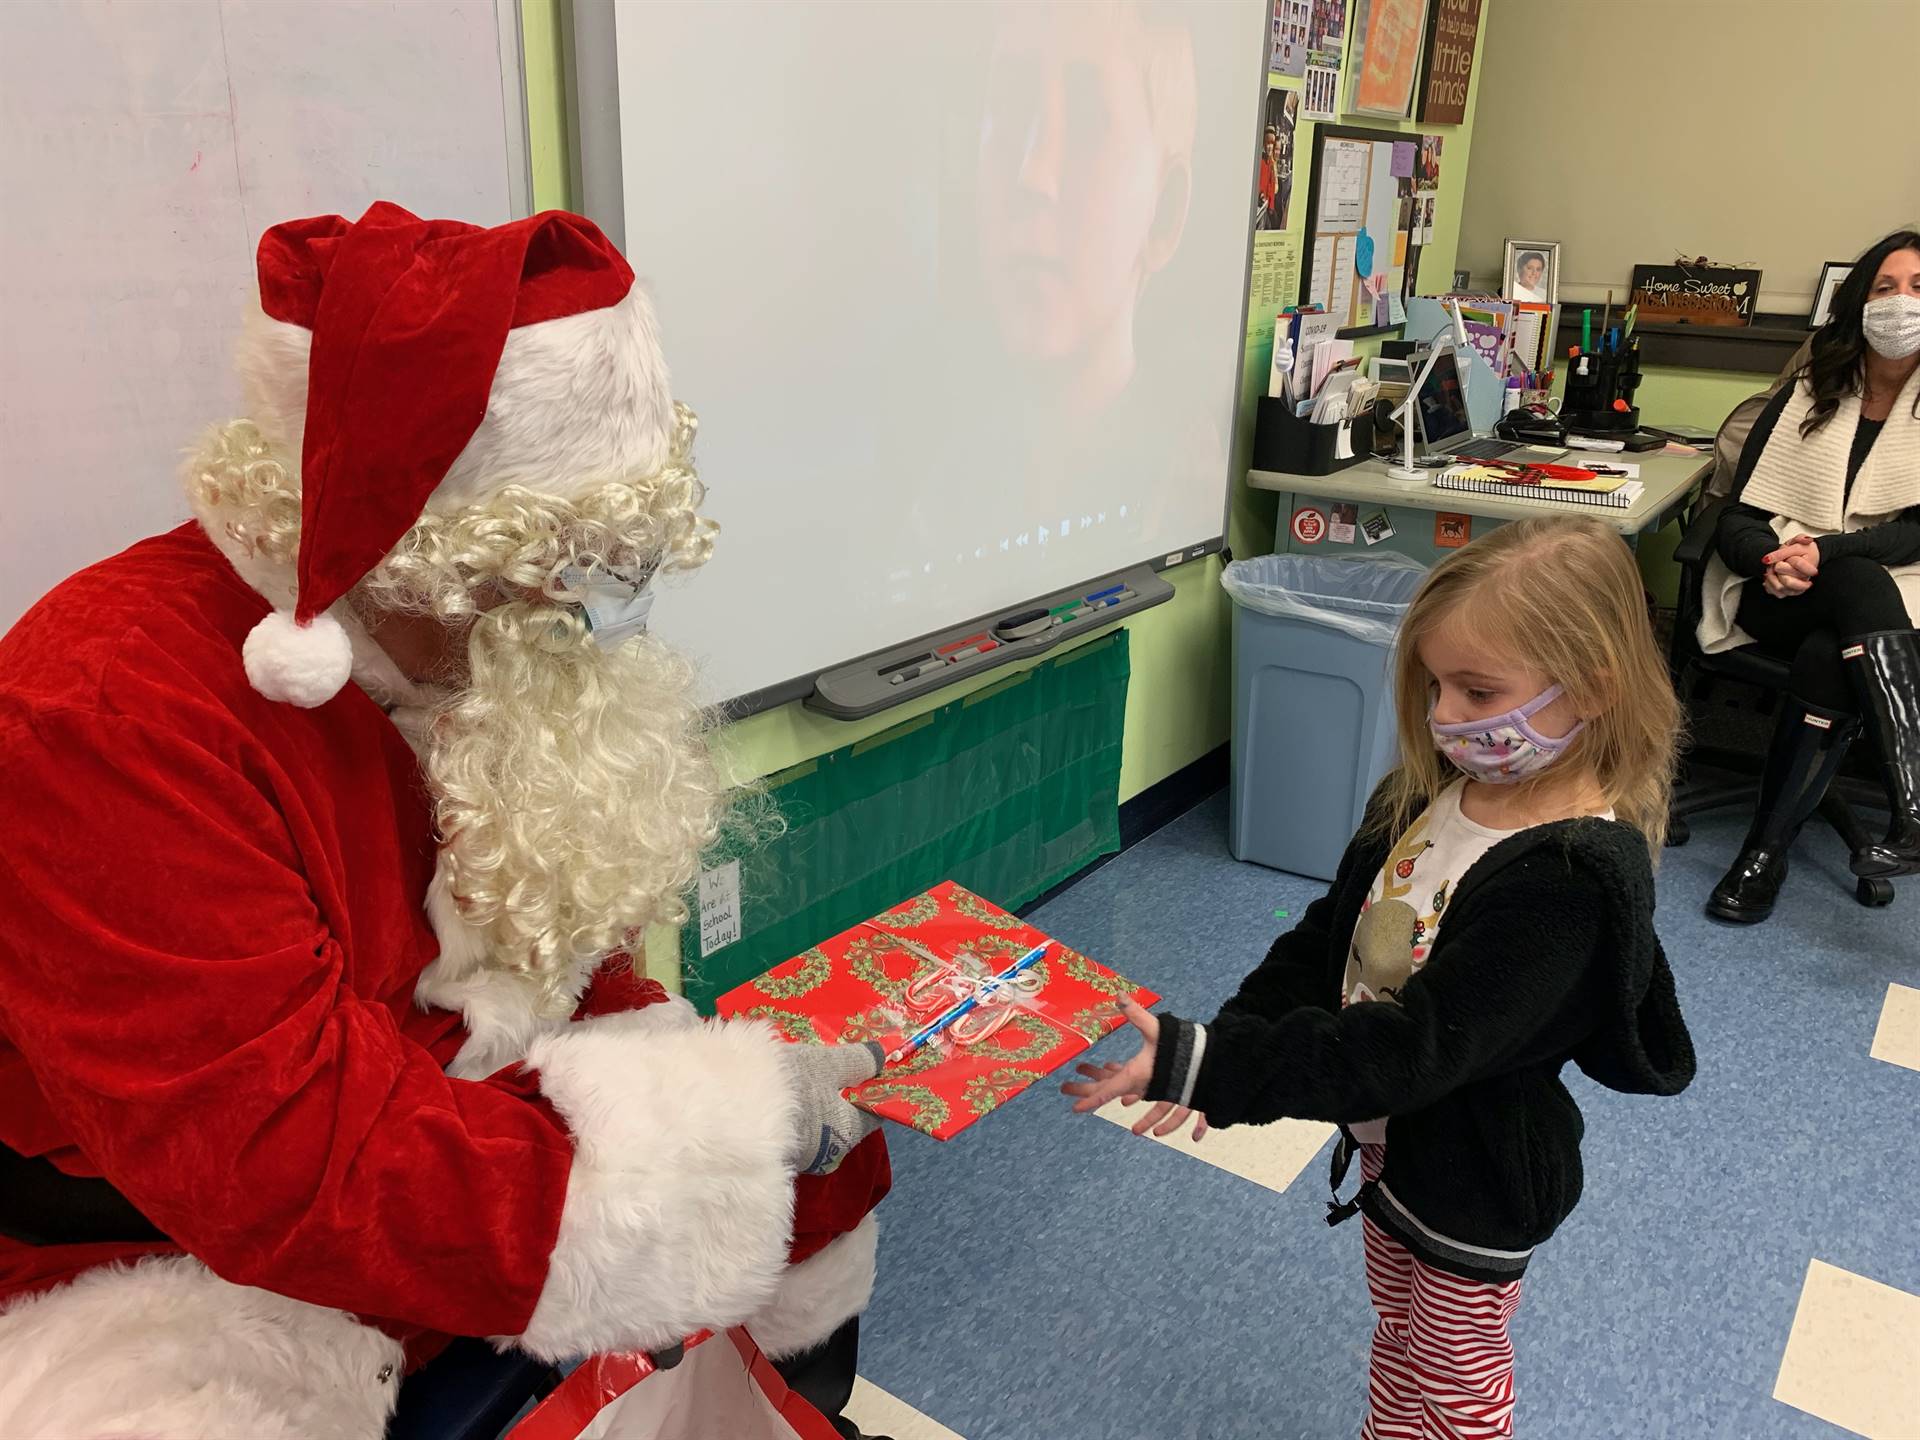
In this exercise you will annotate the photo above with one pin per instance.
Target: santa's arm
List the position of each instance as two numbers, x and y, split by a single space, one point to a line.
238 1071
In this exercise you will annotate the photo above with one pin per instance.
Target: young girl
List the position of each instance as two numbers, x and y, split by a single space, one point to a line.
1492 920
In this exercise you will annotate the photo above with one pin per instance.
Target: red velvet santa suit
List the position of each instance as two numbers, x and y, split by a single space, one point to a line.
212 935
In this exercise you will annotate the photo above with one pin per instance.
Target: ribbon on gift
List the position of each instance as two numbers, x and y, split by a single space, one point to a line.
955 980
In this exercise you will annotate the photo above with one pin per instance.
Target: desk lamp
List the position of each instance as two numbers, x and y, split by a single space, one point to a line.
1454 340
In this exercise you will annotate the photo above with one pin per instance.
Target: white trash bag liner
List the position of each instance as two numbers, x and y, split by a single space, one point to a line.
1365 596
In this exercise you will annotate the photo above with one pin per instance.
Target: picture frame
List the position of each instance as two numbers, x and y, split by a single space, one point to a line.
1520 256
1831 274
1383 57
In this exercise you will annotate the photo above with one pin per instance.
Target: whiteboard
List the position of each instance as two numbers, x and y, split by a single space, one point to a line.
957 290
148 145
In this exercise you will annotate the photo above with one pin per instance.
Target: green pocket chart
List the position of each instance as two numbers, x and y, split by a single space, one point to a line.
1008 790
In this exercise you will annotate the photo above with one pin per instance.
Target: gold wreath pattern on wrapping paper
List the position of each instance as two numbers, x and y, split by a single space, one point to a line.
791 1026
815 967
917 911
929 1113
1096 1020
974 908
1090 974
866 961
993 1089
1037 1038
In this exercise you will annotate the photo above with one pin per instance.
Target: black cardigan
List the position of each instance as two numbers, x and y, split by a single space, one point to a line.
1548 954
1744 536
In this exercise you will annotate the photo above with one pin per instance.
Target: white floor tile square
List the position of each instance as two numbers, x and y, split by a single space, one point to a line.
1853 1355
1897 1038
1269 1155
878 1413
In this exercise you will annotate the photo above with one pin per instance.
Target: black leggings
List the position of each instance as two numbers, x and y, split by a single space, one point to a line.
1850 597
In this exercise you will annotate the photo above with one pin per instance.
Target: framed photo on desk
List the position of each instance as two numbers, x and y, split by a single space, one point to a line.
1531 272
1831 275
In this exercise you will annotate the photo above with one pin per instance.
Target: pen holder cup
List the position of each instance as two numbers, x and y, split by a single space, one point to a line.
1283 442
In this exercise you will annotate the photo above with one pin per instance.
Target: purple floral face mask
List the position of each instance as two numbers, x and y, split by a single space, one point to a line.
1502 749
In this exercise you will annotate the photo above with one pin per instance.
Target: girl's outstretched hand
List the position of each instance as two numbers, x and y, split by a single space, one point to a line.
1128 1082
1161 1120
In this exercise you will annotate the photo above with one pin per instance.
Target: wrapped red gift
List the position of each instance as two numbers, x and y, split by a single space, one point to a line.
888 978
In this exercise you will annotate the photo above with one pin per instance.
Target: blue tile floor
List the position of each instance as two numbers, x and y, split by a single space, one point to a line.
1047 1276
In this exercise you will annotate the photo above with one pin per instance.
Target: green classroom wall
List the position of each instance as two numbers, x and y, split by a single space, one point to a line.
1177 705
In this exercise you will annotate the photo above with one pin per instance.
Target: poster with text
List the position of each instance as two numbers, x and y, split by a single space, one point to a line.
1273 193
1275 281
1385 56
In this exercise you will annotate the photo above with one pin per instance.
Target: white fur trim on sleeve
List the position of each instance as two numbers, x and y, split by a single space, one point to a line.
164 1347
820 1294
679 1209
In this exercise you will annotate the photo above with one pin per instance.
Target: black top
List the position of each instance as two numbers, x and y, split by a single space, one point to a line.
1548 955
1745 534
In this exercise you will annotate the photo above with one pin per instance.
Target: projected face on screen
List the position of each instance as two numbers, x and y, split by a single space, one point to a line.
1086 144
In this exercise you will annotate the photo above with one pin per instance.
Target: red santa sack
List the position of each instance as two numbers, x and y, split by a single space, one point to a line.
723 1386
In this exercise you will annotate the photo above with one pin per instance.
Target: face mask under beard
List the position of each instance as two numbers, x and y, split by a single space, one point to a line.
1891 325
575 793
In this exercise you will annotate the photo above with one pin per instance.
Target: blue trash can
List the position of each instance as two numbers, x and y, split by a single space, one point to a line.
1313 723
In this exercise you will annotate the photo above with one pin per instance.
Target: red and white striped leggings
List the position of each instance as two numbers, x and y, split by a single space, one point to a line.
1442 1365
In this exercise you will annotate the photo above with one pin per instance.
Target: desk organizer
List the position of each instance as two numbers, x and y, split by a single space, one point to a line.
1284 442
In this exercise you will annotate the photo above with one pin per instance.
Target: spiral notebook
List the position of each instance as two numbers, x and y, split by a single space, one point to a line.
1621 497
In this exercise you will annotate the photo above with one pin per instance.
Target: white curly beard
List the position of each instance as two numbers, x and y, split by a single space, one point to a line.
574 791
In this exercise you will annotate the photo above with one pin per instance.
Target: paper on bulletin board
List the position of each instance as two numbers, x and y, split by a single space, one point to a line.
1340 299
1403 159
1343 184
1276 279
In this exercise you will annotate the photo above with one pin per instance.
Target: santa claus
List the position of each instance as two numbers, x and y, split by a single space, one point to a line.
322 818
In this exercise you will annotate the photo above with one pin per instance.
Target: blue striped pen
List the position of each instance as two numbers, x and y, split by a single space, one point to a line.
985 992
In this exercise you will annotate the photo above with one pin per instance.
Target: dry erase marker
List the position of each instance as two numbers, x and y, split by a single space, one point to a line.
956 656
1105 594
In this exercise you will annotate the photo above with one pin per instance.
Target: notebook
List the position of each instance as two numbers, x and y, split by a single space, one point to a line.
889 976
1604 490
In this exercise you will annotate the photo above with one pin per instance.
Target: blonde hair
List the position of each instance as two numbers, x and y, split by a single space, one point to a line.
1562 597
574 790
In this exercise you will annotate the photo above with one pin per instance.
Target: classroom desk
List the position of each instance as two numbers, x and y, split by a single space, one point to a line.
1414 510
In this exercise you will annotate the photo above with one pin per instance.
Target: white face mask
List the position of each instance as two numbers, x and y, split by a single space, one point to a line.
1892 325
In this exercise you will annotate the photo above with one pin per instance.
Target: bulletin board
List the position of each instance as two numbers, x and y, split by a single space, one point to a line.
1364 221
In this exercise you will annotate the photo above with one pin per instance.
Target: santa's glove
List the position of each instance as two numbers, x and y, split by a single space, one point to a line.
828 1124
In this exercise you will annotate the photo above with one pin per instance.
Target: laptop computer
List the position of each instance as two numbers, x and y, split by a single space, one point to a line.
1441 409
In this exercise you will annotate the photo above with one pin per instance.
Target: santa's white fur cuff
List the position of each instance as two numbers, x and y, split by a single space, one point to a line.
820 1294
679 1209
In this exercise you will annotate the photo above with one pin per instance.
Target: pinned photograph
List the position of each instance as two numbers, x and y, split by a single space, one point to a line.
1273 195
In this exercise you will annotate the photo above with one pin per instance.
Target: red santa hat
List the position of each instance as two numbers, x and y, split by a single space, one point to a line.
411 360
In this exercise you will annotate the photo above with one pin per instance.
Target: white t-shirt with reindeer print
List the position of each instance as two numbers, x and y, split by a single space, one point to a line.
1405 907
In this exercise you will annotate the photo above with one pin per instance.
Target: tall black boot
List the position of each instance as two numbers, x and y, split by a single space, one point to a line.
1808 745
1885 671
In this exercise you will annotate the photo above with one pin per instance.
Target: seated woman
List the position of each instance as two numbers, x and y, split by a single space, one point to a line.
1819 563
